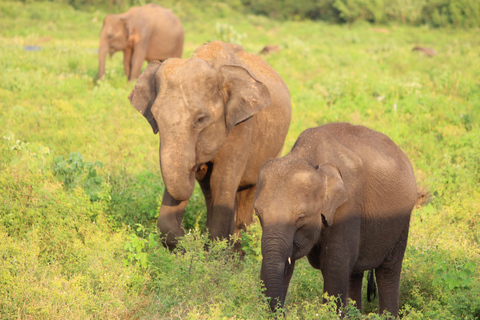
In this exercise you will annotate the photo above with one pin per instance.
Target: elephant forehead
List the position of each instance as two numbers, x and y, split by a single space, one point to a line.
169 67
288 169
286 180
194 78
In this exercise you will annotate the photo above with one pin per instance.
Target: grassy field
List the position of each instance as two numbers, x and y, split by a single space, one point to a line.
80 185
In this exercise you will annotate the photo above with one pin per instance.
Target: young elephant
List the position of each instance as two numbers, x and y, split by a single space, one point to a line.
221 114
143 33
343 197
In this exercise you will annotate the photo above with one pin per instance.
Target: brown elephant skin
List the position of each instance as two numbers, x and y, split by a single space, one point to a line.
149 32
342 197
220 114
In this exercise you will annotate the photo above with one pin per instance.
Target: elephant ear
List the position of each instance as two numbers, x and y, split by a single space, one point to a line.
335 194
144 94
246 94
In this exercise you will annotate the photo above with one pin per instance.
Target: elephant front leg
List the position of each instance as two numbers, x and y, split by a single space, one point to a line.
336 283
170 220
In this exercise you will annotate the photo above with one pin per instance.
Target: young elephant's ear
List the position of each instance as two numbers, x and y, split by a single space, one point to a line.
335 193
246 94
144 94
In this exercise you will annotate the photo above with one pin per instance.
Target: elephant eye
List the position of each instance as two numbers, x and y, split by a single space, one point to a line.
200 120
300 218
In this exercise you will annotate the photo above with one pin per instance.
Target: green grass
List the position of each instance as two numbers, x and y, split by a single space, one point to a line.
88 249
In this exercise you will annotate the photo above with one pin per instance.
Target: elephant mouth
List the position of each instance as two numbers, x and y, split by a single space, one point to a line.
200 171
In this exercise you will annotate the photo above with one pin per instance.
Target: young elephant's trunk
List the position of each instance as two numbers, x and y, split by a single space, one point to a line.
277 261
273 280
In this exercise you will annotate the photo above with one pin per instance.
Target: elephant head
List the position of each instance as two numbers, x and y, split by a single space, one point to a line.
113 38
294 201
194 107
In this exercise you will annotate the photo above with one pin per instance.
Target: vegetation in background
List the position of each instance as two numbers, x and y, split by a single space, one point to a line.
80 185
436 13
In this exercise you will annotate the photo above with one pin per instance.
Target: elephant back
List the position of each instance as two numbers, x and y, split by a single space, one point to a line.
218 53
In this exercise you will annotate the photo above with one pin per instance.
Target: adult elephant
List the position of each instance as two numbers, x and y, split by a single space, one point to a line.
343 197
143 33
221 114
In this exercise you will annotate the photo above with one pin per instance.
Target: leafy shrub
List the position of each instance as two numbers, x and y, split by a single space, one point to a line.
55 259
251 240
438 13
74 172
458 276
459 13
353 10
134 199
291 9
137 245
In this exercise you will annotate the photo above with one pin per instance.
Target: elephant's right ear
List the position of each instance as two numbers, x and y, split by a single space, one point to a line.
335 194
144 94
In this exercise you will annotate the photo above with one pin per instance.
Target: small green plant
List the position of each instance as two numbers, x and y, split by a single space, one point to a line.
227 33
135 199
74 172
137 246
35 155
453 277
251 241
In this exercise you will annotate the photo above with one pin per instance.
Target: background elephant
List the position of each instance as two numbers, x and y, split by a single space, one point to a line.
221 114
143 33
343 196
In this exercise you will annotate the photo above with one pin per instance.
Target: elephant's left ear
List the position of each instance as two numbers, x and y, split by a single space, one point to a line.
246 94
144 94
335 194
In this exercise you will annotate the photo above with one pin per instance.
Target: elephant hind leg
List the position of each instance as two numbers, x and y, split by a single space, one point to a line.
388 277
244 208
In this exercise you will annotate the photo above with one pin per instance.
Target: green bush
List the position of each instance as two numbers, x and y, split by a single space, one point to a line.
291 9
73 172
367 10
459 13
62 253
58 255
438 13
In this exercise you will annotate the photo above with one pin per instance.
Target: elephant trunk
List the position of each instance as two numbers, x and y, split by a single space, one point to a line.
277 259
103 50
178 168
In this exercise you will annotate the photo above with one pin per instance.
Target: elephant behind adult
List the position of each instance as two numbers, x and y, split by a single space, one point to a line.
149 32
221 114
343 197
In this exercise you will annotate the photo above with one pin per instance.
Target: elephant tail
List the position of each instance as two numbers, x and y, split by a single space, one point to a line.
371 287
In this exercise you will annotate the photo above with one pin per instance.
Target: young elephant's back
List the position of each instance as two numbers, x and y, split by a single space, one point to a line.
376 150
388 190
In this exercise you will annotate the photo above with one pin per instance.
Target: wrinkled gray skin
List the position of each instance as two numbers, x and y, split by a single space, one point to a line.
221 114
342 197
143 33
